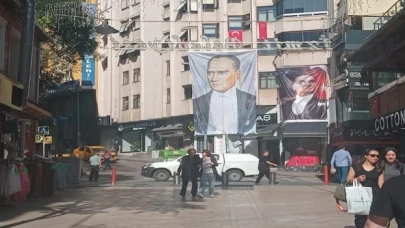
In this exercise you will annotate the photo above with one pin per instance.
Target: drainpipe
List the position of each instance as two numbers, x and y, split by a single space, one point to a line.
26 47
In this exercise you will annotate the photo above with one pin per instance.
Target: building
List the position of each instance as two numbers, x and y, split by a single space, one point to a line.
18 116
382 55
147 94
352 127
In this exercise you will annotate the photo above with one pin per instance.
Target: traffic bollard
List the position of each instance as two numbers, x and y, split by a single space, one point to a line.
326 174
273 176
225 179
113 176
176 179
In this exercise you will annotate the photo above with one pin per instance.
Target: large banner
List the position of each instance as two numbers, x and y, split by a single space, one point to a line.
303 93
224 92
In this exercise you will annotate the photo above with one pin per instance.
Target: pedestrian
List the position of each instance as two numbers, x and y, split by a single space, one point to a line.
190 170
95 165
340 163
208 162
369 174
107 159
264 166
390 203
392 167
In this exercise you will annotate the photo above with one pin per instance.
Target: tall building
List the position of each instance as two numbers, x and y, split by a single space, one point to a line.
147 94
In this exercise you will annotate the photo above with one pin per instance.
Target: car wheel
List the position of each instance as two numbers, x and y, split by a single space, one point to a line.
161 175
235 175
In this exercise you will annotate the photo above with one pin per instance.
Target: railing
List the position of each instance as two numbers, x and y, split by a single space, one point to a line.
388 15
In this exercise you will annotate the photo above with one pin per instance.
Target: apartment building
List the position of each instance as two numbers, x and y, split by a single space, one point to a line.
147 94
351 26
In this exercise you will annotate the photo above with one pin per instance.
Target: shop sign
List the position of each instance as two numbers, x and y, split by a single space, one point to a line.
361 134
136 126
264 120
390 121
340 82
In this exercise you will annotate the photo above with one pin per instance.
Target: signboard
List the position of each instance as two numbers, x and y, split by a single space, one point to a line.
88 71
389 122
39 138
265 119
361 134
138 126
43 130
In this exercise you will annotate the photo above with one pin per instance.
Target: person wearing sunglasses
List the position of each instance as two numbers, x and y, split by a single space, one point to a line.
369 174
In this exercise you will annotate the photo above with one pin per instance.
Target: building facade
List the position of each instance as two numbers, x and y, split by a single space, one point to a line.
147 95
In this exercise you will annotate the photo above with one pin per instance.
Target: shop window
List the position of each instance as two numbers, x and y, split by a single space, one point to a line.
136 75
137 101
267 80
358 101
125 77
188 92
300 36
125 103
266 13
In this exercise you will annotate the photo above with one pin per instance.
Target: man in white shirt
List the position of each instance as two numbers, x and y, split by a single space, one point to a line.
225 109
95 164
305 105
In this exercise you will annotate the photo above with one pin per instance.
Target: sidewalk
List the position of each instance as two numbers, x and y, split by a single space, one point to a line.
156 207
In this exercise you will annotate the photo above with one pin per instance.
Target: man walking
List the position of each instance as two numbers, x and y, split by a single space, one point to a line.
107 159
95 164
264 166
341 161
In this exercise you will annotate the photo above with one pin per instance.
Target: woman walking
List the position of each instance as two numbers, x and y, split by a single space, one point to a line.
369 174
208 163
189 169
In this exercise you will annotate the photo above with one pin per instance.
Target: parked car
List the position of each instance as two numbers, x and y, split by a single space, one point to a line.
237 166
85 152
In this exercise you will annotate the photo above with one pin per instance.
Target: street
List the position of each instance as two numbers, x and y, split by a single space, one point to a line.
139 202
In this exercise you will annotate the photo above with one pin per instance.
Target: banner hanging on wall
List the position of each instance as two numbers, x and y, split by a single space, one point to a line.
224 92
303 93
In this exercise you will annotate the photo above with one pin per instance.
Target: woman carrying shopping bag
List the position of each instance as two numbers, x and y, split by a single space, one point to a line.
369 174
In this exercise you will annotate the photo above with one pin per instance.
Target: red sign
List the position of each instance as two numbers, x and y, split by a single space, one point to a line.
237 34
263 30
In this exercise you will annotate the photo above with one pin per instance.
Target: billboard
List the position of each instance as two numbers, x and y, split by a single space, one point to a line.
303 93
88 62
224 92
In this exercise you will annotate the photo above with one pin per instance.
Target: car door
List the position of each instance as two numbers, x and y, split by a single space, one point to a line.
87 153
220 160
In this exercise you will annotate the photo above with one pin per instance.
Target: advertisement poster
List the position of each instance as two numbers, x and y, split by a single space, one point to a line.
303 93
224 92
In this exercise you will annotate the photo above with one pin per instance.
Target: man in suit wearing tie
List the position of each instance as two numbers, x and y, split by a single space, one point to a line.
225 109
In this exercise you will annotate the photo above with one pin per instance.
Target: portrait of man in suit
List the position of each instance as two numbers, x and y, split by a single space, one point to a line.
303 94
225 109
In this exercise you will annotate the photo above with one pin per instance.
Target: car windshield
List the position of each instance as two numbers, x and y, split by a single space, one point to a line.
96 150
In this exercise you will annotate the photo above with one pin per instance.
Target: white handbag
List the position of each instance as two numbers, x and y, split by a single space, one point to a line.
358 198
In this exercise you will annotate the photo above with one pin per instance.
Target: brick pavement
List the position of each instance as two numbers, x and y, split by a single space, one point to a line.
160 206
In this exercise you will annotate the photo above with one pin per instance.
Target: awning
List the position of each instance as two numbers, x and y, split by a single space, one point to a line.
13 113
170 127
124 27
182 33
266 133
183 3
36 112
305 129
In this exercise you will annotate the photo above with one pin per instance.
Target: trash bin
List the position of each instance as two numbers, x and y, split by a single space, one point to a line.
273 176
225 179
176 179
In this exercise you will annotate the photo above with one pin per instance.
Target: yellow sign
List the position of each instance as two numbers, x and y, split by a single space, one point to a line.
48 139
39 138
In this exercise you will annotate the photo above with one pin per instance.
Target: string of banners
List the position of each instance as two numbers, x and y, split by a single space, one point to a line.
165 44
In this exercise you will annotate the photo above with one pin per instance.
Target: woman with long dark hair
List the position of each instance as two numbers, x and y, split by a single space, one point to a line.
369 174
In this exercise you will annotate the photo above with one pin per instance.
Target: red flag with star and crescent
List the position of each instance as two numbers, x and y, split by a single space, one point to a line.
237 34
263 30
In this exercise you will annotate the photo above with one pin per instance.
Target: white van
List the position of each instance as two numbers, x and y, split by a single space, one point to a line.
237 166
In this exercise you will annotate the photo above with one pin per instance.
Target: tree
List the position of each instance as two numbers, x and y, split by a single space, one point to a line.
70 27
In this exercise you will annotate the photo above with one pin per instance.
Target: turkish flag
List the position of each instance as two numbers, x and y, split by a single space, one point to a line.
263 30
237 34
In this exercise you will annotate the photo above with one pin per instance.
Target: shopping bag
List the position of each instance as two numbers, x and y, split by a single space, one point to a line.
340 193
332 170
358 198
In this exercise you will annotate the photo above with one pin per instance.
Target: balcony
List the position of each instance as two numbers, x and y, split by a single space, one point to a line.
303 58
352 39
290 24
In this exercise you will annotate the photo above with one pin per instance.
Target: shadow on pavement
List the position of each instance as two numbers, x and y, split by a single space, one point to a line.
332 178
91 201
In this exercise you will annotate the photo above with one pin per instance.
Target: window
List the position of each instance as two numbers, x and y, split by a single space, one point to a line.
211 30
235 22
188 92
136 23
167 37
168 68
246 22
125 77
271 48
124 4
234 1
136 77
300 36
185 63
125 103
168 96
301 6
137 101
359 101
267 80
209 7
266 13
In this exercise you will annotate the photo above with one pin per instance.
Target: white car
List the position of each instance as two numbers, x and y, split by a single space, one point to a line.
236 165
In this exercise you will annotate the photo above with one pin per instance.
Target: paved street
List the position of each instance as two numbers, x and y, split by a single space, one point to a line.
138 202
